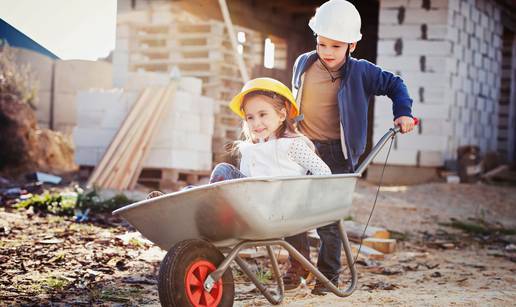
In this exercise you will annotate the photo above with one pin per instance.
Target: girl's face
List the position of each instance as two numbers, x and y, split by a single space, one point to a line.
262 118
332 52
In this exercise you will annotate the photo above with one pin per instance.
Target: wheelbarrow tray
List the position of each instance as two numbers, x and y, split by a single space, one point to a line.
228 212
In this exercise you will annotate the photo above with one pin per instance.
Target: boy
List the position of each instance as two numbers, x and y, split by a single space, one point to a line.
333 90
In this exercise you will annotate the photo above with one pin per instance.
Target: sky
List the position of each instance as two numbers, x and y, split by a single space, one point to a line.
71 29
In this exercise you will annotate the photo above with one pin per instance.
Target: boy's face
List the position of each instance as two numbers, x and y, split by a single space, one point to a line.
332 52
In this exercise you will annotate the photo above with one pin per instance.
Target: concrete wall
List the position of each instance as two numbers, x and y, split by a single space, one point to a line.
448 53
59 81
41 67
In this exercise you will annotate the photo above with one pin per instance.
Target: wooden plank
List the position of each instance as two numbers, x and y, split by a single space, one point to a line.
119 137
150 134
110 178
124 161
369 252
385 246
355 230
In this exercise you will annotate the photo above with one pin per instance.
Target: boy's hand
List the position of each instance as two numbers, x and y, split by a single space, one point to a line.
405 123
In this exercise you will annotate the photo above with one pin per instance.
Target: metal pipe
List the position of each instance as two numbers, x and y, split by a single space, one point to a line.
376 149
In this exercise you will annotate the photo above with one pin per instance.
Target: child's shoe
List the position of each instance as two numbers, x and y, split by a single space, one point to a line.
154 194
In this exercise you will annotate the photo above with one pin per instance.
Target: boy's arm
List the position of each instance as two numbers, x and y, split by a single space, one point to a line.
386 83
294 69
382 82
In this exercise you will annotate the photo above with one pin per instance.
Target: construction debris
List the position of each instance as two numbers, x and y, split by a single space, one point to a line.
385 246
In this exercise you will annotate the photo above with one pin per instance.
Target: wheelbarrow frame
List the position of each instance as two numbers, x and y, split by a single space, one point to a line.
277 298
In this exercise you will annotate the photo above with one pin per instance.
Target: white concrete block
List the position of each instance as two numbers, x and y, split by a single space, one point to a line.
185 159
39 65
87 155
122 44
64 108
434 4
206 105
184 102
412 63
43 107
140 80
422 142
90 119
114 116
89 137
207 124
398 157
414 80
431 126
419 16
388 16
431 158
122 31
393 3
159 158
415 47
205 160
73 75
191 85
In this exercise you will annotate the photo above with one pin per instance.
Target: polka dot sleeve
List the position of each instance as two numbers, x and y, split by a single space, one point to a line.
303 155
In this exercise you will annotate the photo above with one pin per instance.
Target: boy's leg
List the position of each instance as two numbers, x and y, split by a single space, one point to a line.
328 261
225 171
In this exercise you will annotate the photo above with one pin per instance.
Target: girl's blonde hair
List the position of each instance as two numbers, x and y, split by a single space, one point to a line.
278 102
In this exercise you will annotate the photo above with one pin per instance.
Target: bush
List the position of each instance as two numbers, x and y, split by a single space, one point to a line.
16 81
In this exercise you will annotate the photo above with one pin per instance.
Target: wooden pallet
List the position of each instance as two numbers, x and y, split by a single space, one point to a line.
167 179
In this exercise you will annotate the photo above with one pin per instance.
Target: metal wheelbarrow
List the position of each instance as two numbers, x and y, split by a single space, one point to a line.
192 225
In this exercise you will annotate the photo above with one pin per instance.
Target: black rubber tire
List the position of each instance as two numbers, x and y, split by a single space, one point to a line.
173 269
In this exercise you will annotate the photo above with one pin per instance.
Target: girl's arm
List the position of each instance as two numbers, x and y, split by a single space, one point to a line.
303 155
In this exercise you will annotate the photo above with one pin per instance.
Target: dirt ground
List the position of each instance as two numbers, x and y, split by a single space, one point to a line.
53 260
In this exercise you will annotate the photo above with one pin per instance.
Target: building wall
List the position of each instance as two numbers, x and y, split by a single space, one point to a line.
449 54
475 31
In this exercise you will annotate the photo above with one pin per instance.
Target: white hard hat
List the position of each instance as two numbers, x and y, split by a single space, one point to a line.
338 20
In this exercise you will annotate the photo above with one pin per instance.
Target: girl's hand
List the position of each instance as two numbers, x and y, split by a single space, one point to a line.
405 123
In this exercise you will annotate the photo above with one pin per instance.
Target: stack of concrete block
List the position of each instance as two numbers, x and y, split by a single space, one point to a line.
476 34
41 68
183 140
439 48
70 77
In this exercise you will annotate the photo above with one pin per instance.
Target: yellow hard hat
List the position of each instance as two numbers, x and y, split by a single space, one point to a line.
263 84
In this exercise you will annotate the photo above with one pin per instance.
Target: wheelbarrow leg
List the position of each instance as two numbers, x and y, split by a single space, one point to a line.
233 255
273 299
309 266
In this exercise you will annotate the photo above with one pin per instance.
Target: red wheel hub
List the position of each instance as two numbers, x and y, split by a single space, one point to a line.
194 285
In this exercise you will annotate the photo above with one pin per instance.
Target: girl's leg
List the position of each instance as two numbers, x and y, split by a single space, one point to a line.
225 171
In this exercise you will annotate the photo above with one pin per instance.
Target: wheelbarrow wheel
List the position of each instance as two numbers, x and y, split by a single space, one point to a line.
182 274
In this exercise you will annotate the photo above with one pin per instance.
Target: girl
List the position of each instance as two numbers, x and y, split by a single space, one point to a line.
272 145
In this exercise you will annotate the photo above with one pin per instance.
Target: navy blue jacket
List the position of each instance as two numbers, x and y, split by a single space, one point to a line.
360 80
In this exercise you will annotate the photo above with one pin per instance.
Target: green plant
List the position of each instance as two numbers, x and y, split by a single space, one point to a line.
263 276
48 203
55 283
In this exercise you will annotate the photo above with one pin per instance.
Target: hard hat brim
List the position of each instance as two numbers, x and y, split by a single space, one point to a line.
236 102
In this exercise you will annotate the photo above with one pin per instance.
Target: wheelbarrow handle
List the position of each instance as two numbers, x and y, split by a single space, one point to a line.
376 149
416 122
